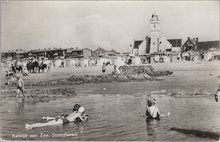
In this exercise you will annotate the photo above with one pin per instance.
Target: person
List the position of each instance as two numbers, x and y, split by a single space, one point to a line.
62 65
77 115
8 76
103 68
217 94
116 69
130 61
48 67
25 72
13 68
152 111
20 87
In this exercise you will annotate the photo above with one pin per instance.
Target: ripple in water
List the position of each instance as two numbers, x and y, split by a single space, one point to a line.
117 117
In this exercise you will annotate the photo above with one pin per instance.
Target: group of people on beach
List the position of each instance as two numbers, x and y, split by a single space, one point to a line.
78 114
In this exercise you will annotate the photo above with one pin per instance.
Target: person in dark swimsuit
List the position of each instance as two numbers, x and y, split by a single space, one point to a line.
78 112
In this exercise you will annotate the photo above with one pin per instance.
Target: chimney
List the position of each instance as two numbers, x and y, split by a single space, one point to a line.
197 40
188 38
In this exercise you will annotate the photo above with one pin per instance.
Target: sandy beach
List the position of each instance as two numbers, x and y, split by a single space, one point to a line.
194 78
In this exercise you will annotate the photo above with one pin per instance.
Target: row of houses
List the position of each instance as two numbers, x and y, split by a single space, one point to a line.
156 48
177 45
53 53
157 43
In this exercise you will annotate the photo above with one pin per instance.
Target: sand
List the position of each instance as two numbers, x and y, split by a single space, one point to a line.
188 78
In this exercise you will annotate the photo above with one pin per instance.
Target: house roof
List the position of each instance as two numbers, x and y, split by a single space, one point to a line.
9 52
81 49
126 53
189 41
137 43
100 49
87 49
113 52
175 42
46 49
206 45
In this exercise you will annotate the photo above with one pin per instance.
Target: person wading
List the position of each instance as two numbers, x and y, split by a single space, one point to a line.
20 86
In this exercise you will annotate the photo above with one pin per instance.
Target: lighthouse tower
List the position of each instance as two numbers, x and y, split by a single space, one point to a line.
154 33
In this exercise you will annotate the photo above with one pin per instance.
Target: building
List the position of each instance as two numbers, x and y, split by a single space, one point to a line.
47 53
176 44
190 44
99 52
145 46
112 53
8 56
81 53
54 53
154 33
193 44
208 45
136 47
38 54
14 55
158 42
68 53
21 54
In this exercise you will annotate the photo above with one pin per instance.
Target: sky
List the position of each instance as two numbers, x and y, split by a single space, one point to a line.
106 24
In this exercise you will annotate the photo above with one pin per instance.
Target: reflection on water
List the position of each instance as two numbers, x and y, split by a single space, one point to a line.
113 117
151 126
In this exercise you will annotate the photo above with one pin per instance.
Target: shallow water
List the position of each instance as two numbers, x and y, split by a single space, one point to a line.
115 117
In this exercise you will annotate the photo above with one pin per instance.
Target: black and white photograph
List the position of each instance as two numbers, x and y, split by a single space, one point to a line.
110 70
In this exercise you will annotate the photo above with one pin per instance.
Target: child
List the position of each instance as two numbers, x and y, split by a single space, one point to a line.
78 112
152 111
20 87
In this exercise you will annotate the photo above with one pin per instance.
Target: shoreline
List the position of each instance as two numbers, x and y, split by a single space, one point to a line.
201 79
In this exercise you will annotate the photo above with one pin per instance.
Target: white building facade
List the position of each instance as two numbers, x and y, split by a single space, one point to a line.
158 43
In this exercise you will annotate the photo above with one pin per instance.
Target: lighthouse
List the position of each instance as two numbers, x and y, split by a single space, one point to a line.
156 43
154 33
